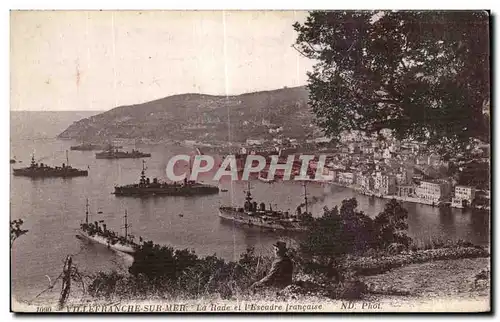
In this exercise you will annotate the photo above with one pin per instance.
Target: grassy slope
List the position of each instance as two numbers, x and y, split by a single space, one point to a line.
440 285
444 285
434 279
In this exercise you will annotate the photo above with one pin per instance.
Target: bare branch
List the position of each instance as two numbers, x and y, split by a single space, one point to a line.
300 52
312 48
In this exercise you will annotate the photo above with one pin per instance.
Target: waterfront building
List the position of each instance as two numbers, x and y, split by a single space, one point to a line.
388 185
377 180
370 183
404 176
336 174
433 191
406 190
463 196
367 182
360 178
330 173
346 178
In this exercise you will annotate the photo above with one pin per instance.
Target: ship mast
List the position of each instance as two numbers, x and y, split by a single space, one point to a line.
305 196
67 159
33 160
126 226
143 175
87 211
190 167
249 194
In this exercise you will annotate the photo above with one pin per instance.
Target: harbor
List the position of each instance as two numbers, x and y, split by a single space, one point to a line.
53 208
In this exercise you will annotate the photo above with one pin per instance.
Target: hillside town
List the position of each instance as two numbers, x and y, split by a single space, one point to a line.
386 168
408 171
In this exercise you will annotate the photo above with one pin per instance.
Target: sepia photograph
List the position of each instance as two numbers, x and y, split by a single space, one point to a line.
250 161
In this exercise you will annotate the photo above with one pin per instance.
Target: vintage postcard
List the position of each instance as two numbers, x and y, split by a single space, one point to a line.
250 161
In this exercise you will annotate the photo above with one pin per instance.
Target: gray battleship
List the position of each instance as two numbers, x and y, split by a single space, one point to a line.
114 153
93 147
252 214
100 234
145 188
40 170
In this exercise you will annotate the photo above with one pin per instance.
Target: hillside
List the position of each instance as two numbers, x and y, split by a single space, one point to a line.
202 117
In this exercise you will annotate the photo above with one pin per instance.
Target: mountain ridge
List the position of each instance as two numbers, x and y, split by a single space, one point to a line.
202 117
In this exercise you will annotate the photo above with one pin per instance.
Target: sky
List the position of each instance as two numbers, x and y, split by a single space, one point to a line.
97 60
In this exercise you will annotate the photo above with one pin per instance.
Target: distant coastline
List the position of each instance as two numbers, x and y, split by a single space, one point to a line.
43 124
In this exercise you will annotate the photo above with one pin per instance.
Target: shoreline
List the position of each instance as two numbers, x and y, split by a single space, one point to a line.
128 141
399 198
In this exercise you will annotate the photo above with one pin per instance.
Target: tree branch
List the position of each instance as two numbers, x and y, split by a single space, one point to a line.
403 64
300 52
312 48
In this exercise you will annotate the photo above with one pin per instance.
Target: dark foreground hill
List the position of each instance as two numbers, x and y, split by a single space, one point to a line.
202 117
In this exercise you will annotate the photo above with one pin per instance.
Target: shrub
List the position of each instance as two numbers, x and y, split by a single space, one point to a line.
16 231
391 226
348 231
161 271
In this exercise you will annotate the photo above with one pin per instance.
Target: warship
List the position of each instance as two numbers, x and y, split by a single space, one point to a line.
114 153
40 170
252 214
100 234
146 187
93 147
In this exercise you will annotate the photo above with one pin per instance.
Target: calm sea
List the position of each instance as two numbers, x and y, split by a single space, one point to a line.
53 208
